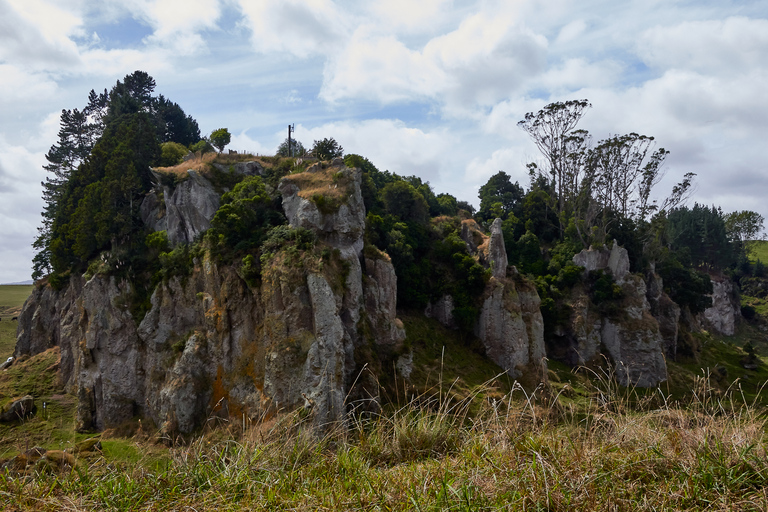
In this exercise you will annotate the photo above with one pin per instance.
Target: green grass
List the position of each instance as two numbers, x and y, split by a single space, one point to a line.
512 454
12 297
456 438
759 251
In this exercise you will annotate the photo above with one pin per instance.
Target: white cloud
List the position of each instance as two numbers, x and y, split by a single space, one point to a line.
390 144
35 34
301 28
485 59
18 84
20 206
735 44
410 16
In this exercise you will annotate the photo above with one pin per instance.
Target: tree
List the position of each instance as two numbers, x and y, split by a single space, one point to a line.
699 235
499 190
173 125
80 133
744 226
171 153
404 201
284 150
327 149
551 129
99 207
220 138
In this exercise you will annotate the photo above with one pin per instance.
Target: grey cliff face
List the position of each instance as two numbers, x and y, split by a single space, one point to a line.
665 311
212 345
510 323
342 228
183 212
725 311
631 338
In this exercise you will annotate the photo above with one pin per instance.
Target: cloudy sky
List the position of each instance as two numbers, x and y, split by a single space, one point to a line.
427 87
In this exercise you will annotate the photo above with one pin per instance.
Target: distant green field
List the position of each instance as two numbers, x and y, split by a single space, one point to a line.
12 297
759 251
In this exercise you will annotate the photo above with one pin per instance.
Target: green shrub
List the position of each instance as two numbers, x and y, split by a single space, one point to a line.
172 153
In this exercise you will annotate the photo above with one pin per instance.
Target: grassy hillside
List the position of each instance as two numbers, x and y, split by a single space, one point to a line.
759 251
456 438
12 297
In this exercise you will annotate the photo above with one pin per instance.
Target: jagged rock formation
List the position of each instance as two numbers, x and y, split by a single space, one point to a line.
510 324
665 311
212 345
512 329
631 338
183 211
725 311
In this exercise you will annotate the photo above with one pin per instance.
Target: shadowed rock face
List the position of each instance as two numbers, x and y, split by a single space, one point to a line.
182 212
211 345
631 338
510 324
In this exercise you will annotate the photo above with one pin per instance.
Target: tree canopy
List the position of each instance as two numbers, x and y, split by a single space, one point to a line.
220 138
327 149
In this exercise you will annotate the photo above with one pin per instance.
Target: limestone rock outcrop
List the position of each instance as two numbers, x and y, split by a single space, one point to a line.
510 324
725 311
340 225
183 211
665 311
630 336
210 344
512 329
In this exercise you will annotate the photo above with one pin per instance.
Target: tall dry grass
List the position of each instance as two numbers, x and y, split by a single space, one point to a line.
527 451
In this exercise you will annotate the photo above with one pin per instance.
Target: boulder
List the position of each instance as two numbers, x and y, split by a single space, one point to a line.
251 168
18 409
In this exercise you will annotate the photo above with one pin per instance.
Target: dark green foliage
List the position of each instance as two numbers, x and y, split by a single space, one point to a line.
748 312
604 292
448 204
685 286
202 146
280 236
173 125
373 181
499 197
84 169
245 216
250 270
529 256
701 232
327 149
759 270
296 149
100 206
403 201
176 263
